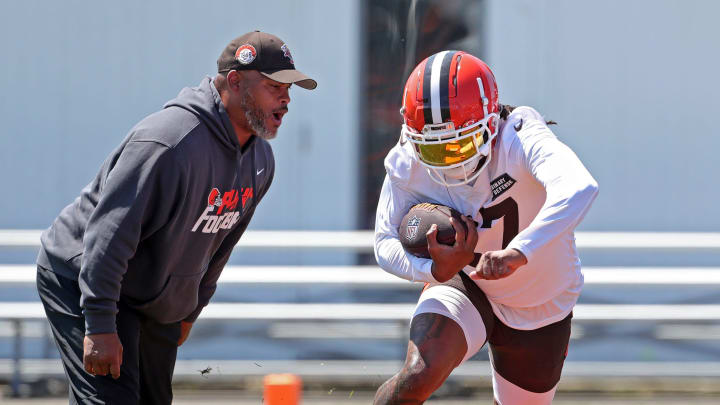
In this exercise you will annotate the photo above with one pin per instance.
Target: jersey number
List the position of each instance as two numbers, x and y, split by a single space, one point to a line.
508 208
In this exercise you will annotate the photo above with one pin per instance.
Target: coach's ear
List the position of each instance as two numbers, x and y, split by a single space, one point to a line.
233 80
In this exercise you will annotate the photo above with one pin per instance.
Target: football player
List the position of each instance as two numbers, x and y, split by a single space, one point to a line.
505 169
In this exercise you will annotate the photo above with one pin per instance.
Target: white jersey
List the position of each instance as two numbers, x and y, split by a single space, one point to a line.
531 196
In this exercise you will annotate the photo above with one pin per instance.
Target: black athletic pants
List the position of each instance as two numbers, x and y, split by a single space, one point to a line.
149 349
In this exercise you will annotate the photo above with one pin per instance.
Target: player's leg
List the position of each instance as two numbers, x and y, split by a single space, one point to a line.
527 363
446 329
158 352
436 347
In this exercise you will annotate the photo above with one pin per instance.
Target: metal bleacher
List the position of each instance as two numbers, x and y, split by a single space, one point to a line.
706 312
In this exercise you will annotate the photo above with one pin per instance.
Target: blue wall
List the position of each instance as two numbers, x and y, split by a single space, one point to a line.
77 75
634 86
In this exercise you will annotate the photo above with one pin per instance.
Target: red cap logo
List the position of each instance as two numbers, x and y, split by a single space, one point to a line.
245 54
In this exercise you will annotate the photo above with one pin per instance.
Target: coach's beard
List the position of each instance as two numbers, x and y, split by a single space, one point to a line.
256 117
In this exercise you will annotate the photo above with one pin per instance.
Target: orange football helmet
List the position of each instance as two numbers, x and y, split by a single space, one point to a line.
451 113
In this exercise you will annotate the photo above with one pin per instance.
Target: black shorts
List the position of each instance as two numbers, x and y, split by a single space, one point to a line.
531 359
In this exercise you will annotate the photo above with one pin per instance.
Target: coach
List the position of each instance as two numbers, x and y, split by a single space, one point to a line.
125 269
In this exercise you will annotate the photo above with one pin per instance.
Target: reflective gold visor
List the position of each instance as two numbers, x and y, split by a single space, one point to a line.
449 153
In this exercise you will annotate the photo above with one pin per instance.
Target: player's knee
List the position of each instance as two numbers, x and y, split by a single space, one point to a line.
423 379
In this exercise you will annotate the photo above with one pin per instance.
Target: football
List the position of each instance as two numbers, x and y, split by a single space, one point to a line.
417 222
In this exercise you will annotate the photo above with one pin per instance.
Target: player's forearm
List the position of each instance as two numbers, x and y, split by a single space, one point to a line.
569 186
392 258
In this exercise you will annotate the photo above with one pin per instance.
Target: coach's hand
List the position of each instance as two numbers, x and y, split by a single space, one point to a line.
449 260
102 354
498 264
184 331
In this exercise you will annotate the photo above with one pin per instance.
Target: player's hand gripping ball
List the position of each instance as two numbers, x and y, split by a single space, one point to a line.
417 223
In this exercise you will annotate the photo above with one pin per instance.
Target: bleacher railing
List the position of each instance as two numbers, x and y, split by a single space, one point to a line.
362 242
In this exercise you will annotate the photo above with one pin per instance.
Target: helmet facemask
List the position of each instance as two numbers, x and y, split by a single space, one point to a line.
454 157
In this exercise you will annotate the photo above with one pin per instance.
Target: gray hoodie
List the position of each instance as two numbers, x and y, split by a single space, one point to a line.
156 226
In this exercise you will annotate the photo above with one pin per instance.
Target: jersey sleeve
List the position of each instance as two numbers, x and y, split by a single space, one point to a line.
390 255
569 187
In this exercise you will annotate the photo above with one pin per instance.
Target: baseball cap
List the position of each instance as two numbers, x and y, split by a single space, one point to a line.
265 53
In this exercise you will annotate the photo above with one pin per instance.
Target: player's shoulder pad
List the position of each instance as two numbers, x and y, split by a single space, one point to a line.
525 123
527 113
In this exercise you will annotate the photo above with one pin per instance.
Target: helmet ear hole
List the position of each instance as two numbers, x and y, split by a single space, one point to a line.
455 74
418 82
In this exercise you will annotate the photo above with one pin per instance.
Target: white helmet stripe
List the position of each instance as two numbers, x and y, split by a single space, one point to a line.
482 96
435 87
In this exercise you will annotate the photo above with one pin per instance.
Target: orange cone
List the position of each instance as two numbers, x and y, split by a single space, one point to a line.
282 389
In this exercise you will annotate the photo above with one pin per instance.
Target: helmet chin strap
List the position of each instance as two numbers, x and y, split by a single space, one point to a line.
461 172
458 176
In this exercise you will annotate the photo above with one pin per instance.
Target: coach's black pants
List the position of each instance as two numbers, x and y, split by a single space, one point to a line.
149 349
